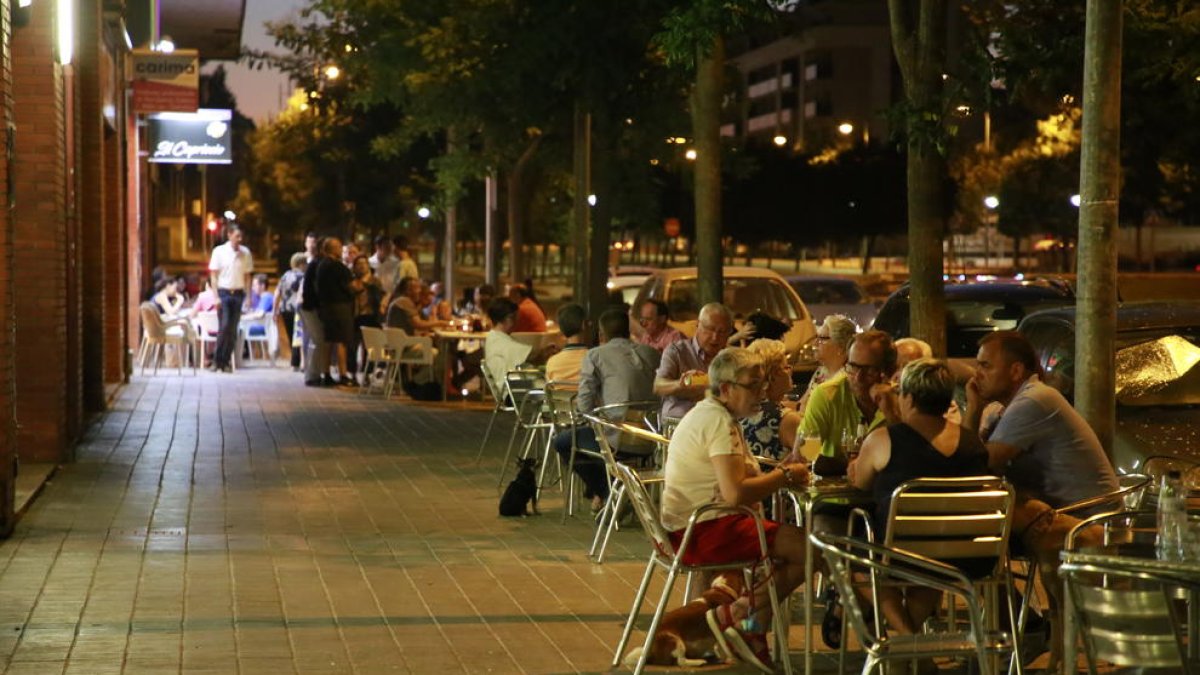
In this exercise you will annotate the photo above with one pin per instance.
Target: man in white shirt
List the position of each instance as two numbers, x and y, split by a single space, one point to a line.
501 353
385 264
230 267
408 267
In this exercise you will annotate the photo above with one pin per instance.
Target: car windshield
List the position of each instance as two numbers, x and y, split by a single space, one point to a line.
824 292
743 296
1159 370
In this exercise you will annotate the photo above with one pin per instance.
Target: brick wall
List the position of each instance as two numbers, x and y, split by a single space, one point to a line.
7 390
115 245
92 226
40 241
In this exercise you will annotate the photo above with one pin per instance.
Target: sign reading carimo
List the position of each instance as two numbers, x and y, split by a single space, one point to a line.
165 82
202 137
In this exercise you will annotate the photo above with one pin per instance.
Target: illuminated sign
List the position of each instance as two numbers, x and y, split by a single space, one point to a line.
165 82
202 137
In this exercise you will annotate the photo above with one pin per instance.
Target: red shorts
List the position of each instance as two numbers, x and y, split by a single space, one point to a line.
725 539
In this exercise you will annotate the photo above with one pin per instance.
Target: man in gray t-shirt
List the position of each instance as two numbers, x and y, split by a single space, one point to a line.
1038 441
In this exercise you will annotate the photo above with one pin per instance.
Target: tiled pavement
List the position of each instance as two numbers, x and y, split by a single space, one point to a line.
246 524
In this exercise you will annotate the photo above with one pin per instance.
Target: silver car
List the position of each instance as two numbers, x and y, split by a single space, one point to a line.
825 295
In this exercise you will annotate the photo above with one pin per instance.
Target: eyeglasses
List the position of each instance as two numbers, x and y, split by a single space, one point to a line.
752 385
723 330
646 321
855 369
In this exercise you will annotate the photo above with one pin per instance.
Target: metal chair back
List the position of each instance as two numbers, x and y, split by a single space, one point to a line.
560 403
1127 617
644 507
952 518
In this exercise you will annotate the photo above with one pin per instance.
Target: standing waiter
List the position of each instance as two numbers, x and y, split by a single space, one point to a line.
230 267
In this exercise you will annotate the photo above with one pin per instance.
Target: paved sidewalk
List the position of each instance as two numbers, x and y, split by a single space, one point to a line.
246 524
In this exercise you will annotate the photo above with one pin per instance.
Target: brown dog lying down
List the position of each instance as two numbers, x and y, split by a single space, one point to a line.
683 637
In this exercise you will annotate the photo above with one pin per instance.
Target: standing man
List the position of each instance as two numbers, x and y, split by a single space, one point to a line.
408 267
385 264
656 332
682 377
316 364
231 265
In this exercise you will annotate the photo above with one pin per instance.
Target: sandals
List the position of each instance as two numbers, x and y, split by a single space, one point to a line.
749 646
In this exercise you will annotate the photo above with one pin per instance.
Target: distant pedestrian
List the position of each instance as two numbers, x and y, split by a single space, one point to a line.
231 265
316 368
385 264
287 295
368 294
336 307
408 266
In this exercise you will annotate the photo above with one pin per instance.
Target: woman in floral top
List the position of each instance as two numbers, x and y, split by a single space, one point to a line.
833 350
771 432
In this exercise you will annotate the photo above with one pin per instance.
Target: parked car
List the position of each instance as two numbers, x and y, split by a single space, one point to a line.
976 308
747 290
825 295
1158 379
624 284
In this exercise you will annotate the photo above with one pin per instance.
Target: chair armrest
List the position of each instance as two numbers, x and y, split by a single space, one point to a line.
862 515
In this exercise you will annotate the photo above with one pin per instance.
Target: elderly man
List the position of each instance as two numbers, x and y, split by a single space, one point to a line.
682 377
852 397
617 371
656 332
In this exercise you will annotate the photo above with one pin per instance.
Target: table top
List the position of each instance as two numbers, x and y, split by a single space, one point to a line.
832 486
1136 556
458 335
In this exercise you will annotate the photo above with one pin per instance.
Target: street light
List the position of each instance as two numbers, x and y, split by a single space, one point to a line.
780 140
591 200
991 201
166 45
690 154
230 215
332 72
845 128
1075 201
423 212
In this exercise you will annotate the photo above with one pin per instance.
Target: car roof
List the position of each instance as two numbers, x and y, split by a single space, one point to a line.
1007 289
727 271
820 278
1135 316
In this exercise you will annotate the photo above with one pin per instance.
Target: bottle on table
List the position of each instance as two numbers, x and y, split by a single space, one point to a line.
1172 517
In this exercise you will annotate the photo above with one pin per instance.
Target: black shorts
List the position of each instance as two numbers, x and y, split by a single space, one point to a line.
338 321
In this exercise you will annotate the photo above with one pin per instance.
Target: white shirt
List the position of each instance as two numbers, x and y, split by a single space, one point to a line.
386 270
231 267
501 353
689 478
408 270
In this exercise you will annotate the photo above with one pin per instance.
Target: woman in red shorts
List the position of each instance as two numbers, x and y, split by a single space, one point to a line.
708 461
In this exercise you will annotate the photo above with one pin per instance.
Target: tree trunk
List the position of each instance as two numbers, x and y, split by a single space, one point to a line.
706 127
518 211
1099 194
919 42
604 155
580 216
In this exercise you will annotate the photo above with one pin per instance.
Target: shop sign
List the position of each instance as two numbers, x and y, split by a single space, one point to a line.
165 82
202 137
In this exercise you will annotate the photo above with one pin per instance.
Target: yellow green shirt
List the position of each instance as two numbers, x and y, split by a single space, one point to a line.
832 410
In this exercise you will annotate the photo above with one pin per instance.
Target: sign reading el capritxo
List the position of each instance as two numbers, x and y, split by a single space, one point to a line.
165 82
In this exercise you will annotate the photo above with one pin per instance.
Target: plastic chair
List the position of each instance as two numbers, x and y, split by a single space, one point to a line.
263 340
407 350
378 353
156 338
207 325
663 555
846 556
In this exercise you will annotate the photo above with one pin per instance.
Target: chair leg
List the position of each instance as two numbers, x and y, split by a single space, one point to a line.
1017 628
612 522
602 523
780 620
658 614
486 435
633 612
158 352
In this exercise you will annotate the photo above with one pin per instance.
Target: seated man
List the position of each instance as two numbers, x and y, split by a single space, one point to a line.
923 444
708 458
684 360
404 310
530 317
564 366
1041 445
655 331
852 397
617 371
501 353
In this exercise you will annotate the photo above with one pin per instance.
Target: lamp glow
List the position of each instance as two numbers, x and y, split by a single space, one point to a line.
66 31
591 199
333 72
1075 201
991 201
166 45
423 212
230 215
780 140
690 154
845 128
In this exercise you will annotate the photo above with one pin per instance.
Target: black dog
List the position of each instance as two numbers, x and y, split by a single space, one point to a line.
522 491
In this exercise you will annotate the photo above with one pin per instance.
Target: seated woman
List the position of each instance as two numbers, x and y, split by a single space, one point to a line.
167 297
834 336
924 444
771 432
708 459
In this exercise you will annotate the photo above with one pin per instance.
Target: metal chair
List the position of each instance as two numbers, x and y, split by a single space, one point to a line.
561 414
524 386
1128 617
630 437
502 404
664 555
949 519
846 556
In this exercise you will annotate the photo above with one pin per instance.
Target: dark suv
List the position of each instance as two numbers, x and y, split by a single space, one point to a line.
976 308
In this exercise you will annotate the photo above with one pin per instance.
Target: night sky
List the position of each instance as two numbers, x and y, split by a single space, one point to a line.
260 93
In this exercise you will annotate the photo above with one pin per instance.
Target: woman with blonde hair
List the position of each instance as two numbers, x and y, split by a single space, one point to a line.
771 432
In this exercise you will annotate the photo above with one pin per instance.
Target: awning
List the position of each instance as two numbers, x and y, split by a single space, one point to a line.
213 27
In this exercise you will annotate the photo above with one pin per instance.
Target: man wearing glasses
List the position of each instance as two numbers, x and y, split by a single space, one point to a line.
682 376
656 332
852 397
